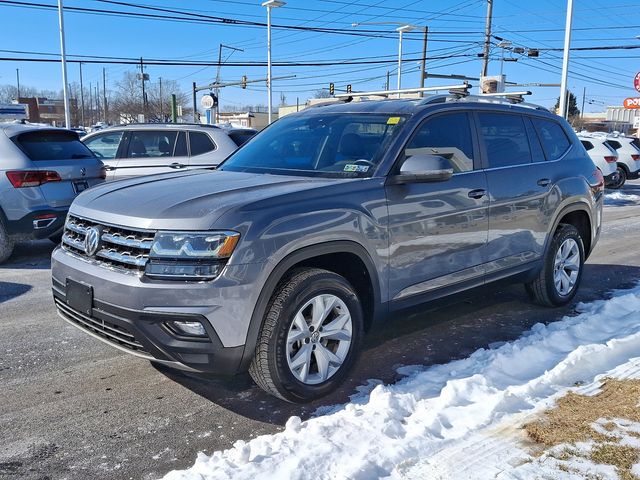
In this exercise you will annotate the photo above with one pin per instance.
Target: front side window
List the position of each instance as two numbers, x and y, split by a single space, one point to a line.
448 136
335 144
505 139
554 141
151 144
52 145
105 145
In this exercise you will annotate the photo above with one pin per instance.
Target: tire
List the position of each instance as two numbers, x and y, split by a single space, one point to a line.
279 366
545 290
622 178
6 244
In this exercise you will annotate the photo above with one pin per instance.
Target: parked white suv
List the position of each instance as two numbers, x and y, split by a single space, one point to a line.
145 149
628 158
604 156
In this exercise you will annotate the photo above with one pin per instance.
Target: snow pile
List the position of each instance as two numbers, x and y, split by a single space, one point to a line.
457 420
618 198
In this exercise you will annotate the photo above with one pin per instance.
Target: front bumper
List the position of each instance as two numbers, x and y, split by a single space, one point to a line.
129 312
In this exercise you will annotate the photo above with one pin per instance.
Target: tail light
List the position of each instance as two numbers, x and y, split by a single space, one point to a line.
598 187
610 159
103 173
635 157
32 178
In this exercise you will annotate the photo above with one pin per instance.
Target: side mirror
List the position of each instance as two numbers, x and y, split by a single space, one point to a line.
422 168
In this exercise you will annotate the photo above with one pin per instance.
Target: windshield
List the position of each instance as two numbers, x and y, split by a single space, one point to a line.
349 145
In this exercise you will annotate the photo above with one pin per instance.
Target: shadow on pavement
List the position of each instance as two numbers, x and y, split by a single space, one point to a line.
440 332
34 255
10 290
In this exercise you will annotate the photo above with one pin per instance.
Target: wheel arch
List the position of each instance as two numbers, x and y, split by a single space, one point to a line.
579 216
330 256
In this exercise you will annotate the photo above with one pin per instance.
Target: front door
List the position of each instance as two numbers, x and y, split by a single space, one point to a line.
438 231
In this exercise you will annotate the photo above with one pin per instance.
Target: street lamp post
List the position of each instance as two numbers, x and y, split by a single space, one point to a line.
63 54
270 4
565 61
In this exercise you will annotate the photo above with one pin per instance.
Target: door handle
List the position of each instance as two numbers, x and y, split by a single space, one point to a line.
544 182
477 193
109 168
177 165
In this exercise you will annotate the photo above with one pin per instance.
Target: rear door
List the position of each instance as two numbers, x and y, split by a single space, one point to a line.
106 146
147 152
62 152
438 231
521 185
203 151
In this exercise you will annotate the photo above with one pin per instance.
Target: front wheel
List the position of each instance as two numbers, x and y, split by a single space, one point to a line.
559 278
310 337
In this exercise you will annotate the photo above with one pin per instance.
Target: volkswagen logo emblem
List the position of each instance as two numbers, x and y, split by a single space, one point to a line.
92 241
83 172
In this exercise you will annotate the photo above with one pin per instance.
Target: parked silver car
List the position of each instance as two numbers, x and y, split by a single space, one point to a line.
42 170
145 149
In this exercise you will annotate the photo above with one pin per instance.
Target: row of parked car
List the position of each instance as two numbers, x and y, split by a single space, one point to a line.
617 157
43 168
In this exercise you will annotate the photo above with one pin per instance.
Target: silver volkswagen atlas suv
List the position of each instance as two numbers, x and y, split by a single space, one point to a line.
320 226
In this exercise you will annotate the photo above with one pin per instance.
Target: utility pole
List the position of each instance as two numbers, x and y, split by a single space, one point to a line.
104 95
584 95
98 100
63 55
144 95
81 97
565 61
161 107
18 82
423 64
174 109
386 87
487 39
90 104
195 106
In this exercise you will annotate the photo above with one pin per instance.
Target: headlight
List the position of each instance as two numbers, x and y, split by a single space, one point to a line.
190 255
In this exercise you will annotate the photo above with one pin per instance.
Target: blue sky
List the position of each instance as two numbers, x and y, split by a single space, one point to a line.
456 32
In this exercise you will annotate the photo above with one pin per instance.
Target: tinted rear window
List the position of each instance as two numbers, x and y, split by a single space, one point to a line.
200 143
52 145
554 140
241 136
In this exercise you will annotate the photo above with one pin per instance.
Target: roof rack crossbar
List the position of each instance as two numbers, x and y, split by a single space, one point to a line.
386 93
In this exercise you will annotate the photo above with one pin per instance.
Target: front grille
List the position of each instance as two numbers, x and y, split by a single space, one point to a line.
114 334
118 247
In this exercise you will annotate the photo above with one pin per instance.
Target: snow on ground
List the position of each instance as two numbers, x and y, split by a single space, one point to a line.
617 198
454 421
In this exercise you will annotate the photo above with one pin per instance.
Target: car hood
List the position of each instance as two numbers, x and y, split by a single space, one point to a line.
191 200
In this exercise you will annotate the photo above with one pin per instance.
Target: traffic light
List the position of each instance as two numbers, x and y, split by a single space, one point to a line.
244 81
215 99
349 88
332 89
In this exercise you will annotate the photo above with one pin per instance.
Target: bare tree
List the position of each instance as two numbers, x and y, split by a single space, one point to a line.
322 93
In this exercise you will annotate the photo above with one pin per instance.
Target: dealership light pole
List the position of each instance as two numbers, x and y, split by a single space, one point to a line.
565 61
270 4
63 54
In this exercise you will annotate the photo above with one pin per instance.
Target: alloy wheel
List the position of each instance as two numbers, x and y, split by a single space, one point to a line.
566 267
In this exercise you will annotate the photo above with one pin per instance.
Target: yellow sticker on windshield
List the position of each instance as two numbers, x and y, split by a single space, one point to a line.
393 120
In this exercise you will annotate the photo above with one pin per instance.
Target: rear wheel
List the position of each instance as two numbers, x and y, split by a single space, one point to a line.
559 278
620 179
310 337
6 244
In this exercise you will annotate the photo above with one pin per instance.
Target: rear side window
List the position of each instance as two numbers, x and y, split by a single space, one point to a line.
181 145
505 138
105 145
447 135
151 144
587 145
200 143
241 136
52 145
614 144
554 140
636 143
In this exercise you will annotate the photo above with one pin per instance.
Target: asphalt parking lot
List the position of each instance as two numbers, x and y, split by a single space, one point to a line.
73 408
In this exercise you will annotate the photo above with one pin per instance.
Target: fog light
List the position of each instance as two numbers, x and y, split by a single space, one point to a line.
192 329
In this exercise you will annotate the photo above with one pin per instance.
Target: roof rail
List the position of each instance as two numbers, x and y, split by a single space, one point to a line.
460 89
507 98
